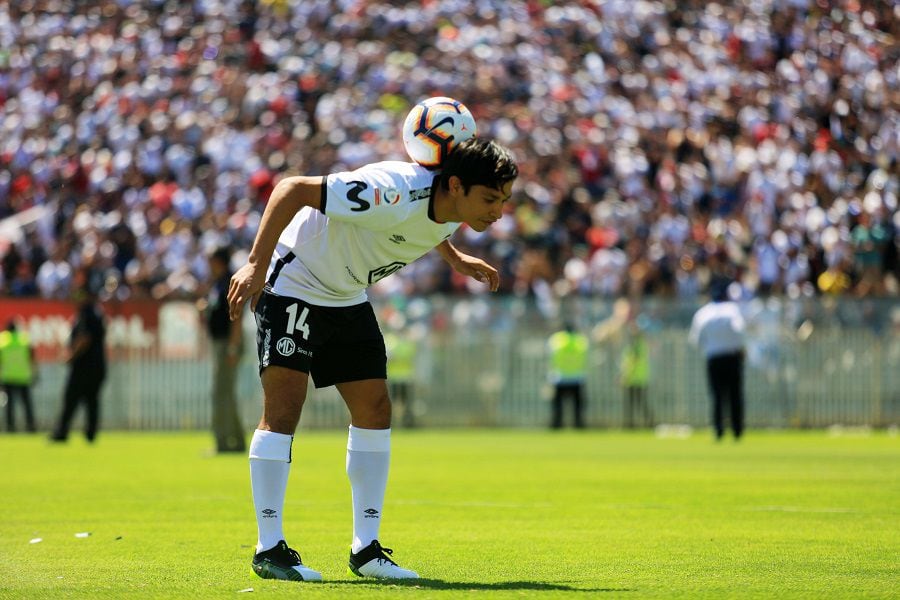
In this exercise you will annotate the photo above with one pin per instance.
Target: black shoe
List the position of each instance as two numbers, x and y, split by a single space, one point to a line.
282 562
375 561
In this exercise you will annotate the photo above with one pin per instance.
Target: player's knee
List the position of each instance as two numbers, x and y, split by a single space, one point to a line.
374 414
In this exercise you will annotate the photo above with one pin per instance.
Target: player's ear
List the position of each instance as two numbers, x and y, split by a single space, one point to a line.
455 185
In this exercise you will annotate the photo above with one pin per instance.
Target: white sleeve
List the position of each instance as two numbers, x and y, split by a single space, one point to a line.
694 333
737 320
375 199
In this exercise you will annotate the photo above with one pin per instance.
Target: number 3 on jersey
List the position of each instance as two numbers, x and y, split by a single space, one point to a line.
295 324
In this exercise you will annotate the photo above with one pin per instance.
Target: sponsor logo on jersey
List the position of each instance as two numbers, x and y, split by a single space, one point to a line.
353 276
353 193
387 196
421 194
382 272
285 346
397 238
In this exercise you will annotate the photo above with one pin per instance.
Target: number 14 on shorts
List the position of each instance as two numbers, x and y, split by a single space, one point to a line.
295 324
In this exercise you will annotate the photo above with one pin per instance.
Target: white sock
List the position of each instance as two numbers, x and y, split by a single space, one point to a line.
270 463
368 457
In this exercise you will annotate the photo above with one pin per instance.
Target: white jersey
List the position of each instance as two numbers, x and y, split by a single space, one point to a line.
718 328
373 222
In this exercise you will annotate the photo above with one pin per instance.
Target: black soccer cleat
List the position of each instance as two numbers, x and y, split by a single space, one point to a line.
281 562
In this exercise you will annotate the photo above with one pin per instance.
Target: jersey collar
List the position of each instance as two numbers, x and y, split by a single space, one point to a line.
434 185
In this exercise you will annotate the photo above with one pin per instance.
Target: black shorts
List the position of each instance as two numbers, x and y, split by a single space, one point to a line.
333 344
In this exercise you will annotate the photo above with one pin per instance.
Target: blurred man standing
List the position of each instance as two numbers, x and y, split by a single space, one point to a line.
718 329
17 373
401 370
568 364
226 339
634 374
87 367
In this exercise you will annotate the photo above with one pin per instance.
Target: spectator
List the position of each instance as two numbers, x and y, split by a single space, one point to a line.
152 132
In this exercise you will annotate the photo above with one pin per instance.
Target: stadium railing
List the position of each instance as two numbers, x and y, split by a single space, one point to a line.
483 362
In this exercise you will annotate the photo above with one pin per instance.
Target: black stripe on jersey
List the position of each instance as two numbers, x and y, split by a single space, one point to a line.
278 266
324 195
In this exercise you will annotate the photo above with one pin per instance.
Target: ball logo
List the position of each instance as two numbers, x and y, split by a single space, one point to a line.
285 346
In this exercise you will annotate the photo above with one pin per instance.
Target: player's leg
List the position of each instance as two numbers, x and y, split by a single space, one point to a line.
641 395
25 392
628 407
284 391
368 459
10 410
92 409
557 407
736 382
71 398
284 353
714 374
578 398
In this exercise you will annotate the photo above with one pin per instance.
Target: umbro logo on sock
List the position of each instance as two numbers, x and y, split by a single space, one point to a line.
268 513
371 513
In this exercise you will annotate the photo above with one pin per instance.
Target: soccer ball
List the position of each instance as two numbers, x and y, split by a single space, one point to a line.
433 128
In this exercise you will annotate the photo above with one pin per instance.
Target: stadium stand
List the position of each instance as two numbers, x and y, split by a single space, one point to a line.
658 141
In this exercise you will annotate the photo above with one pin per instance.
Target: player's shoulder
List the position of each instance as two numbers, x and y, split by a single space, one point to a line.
406 171
395 179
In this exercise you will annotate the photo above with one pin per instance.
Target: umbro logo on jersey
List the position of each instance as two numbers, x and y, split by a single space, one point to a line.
371 513
268 513
397 238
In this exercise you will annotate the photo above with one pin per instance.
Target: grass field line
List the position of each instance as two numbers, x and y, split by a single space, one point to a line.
472 504
801 509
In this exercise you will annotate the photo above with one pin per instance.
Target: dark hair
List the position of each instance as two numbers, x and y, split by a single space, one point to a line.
478 161
222 254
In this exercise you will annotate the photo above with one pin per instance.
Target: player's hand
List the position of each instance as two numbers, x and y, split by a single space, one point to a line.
246 284
479 270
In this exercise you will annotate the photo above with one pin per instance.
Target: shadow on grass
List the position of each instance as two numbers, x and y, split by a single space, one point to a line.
440 584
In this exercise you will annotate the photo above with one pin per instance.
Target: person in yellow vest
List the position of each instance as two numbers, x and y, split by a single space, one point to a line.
401 371
568 365
17 374
634 375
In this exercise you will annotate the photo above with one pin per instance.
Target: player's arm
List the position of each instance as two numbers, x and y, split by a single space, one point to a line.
289 196
469 265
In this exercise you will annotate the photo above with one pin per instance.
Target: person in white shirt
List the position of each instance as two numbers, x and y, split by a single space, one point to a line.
718 329
321 242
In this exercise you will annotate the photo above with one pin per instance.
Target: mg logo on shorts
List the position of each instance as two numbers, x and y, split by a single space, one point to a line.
285 346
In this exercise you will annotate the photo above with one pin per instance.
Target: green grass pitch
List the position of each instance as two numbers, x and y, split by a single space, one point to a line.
478 513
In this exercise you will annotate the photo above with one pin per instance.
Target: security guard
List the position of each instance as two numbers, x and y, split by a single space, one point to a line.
17 373
635 376
401 367
568 365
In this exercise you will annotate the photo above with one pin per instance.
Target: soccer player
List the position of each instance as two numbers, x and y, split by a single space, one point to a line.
321 242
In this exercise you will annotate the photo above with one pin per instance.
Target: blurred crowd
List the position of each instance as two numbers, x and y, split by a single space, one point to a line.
661 143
